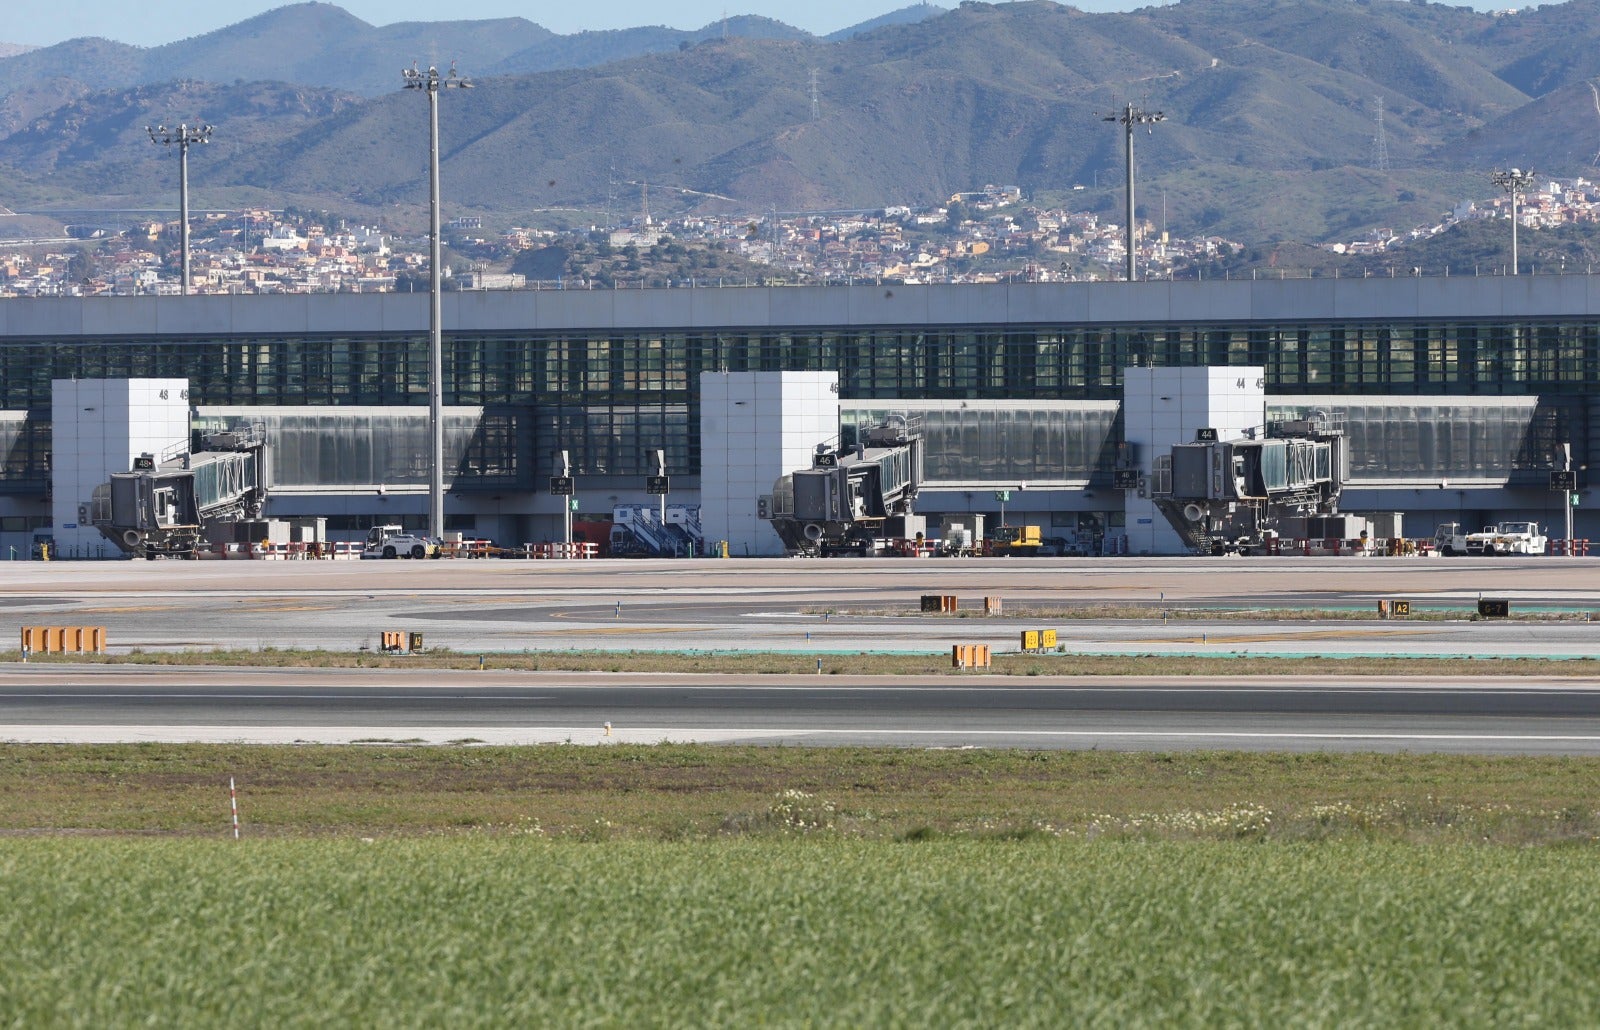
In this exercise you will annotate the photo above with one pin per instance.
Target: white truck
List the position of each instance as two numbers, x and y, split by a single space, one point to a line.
396 542
1450 539
1508 538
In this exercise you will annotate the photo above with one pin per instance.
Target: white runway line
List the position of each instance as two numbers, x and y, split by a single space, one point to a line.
524 735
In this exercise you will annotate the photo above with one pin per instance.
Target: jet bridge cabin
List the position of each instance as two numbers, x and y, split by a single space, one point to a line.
162 510
841 503
1244 470
1228 495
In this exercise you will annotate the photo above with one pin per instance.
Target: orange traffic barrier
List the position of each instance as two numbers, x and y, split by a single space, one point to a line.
969 656
64 639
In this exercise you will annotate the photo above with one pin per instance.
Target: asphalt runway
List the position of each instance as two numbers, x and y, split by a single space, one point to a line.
821 607
1392 714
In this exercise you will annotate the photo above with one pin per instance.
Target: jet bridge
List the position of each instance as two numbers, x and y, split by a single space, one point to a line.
841 504
161 508
1226 496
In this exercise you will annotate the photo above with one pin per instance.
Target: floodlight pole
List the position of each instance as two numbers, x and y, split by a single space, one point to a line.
431 82
183 135
1514 183
1130 117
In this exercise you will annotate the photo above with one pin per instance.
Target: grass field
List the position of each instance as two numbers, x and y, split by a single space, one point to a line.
675 792
812 931
683 885
848 664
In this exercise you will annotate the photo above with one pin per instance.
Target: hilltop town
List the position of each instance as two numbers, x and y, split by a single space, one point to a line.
992 234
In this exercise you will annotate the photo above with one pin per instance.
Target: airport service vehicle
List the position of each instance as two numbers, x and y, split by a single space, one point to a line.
1508 538
1016 540
1450 539
396 542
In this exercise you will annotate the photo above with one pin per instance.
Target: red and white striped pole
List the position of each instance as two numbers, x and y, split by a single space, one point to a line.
233 800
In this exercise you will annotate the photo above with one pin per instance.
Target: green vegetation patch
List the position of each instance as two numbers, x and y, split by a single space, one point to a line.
862 663
807 931
702 792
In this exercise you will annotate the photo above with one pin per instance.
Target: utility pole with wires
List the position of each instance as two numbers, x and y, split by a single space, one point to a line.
1130 117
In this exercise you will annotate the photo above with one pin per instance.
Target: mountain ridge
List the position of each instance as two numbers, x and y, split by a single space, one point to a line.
1271 114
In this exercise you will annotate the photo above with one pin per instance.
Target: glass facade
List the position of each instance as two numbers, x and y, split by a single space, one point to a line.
976 443
24 452
332 447
1490 440
612 398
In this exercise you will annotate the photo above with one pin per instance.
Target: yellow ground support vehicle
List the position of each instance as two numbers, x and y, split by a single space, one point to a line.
1016 540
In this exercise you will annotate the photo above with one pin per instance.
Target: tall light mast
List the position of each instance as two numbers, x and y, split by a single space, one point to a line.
1130 117
1514 182
183 135
431 82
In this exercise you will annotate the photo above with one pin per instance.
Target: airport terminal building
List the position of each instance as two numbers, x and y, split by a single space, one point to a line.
1459 395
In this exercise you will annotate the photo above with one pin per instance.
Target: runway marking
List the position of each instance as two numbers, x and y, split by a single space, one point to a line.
1288 636
469 735
1210 734
616 631
634 607
131 608
586 682
204 696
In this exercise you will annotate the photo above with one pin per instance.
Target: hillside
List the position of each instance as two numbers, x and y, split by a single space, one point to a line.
1270 133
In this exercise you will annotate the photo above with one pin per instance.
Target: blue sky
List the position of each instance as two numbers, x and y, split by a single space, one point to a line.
152 22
